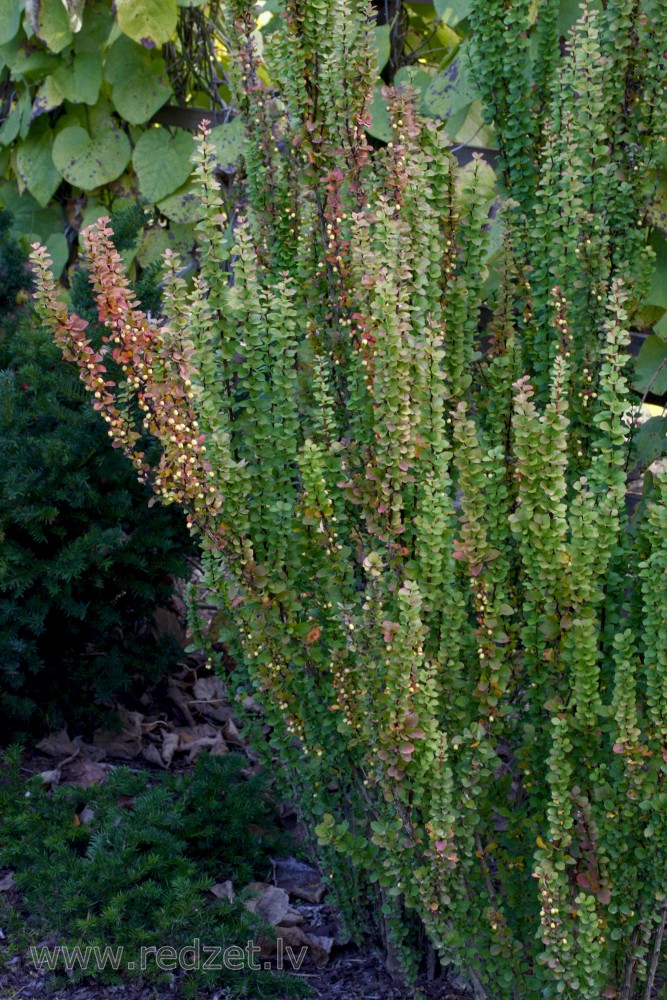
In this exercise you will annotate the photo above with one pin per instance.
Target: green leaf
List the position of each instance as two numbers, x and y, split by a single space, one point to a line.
383 43
183 206
18 119
650 441
28 215
162 161
97 24
660 328
657 293
452 11
229 141
179 238
26 62
451 93
380 127
139 82
88 159
48 97
80 80
10 19
651 366
149 22
35 166
50 23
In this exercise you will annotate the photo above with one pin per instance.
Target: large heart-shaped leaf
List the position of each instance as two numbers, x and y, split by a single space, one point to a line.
139 81
35 166
10 19
451 94
650 441
89 159
18 119
229 140
162 161
79 81
651 366
50 23
28 216
657 293
452 11
179 237
380 127
184 205
149 22
26 62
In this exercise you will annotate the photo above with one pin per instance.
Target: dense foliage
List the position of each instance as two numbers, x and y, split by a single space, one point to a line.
83 562
135 872
80 87
420 550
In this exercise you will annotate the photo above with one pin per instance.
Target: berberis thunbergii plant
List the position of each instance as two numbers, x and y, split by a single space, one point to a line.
420 551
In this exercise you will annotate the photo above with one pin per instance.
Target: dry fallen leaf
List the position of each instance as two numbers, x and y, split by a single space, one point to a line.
57 745
209 689
126 742
83 772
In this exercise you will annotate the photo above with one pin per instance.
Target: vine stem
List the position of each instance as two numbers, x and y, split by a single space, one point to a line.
655 955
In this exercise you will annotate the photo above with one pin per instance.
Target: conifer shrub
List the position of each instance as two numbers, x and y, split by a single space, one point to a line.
83 562
420 549
135 874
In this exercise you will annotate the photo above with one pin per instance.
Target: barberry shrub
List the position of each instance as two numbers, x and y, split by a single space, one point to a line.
420 549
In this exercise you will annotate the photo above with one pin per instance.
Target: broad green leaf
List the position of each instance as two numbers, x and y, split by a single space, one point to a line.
149 22
25 61
651 366
97 24
650 441
661 327
50 23
229 140
657 293
92 212
184 205
162 161
139 81
383 43
380 127
473 130
452 11
179 238
48 97
79 80
10 19
56 244
90 159
28 216
18 119
451 93
35 166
